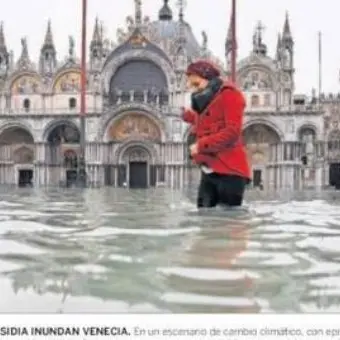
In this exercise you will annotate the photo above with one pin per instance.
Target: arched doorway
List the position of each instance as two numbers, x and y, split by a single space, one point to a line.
136 160
17 146
63 141
334 158
258 138
133 137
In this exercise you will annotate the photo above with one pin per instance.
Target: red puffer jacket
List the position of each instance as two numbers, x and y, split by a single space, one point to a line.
219 133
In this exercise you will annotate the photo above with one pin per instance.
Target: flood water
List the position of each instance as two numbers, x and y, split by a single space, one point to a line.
114 250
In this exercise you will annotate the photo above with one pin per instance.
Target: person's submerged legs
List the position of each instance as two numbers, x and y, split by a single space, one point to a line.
230 189
207 193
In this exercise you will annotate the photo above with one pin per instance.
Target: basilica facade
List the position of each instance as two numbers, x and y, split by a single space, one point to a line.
135 88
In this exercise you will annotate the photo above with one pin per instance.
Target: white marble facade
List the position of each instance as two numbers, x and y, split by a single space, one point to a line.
136 86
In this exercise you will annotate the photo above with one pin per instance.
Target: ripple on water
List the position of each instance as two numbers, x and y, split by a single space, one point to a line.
197 299
323 244
120 251
209 274
17 226
13 247
289 230
90 268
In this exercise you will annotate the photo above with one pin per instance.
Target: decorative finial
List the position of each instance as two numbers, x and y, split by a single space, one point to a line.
138 12
204 40
71 47
257 37
181 4
260 28
24 48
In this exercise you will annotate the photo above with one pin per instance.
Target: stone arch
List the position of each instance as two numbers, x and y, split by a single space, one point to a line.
112 66
141 154
260 134
23 155
306 130
141 78
258 137
22 83
62 131
266 123
67 81
259 77
131 145
134 125
16 133
17 142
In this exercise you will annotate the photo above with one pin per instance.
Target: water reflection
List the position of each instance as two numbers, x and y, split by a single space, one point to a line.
118 251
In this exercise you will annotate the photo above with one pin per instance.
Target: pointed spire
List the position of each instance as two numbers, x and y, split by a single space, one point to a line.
97 48
4 55
165 13
278 47
48 42
2 37
138 12
96 37
286 34
24 61
48 54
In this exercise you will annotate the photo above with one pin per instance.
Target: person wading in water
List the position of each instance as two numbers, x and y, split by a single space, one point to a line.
216 118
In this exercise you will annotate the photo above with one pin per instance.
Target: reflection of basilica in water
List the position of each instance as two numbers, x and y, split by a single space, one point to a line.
134 134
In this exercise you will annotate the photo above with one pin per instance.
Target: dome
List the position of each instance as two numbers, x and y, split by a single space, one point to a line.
170 30
166 31
165 12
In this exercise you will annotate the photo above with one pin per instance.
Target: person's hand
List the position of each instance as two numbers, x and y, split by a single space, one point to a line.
194 149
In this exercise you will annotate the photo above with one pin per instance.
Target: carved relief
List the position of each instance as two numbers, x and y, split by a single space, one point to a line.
136 154
138 40
258 138
257 80
258 158
135 125
68 82
26 84
334 135
23 155
260 134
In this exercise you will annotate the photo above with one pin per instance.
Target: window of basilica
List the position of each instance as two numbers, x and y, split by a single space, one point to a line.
255 101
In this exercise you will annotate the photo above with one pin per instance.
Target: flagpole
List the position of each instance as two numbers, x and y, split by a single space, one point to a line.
82 163
233 33
320 69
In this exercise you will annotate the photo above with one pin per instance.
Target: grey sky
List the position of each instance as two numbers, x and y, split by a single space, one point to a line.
29 18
